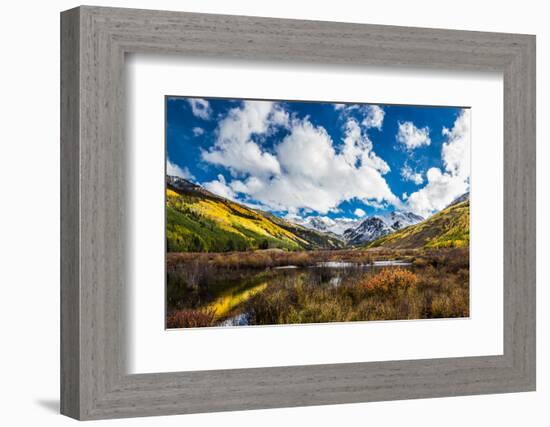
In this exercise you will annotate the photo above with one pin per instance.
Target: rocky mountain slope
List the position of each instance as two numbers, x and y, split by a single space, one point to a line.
200 221
447 228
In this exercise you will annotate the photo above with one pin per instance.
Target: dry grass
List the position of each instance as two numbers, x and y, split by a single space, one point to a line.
261 259
436 285
391 294
190 319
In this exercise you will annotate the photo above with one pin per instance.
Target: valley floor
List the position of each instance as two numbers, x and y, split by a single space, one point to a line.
266 287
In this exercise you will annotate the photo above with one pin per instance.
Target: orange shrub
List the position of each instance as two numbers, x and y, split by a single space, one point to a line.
390 280
190 319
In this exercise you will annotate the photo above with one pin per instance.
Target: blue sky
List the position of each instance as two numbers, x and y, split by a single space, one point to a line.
338 161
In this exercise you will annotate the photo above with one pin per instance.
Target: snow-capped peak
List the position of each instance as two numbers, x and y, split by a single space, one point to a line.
326 224
374 227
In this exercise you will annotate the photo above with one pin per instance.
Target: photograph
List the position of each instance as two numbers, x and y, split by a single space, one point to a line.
296 212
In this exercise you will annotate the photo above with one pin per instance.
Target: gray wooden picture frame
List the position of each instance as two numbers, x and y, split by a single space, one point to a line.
94 41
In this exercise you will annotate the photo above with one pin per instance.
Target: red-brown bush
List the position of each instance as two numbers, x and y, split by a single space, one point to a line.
190 319
390 280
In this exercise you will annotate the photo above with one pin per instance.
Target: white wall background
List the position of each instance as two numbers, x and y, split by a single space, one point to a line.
29 212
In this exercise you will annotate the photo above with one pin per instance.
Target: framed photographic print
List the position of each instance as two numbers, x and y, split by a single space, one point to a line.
346 211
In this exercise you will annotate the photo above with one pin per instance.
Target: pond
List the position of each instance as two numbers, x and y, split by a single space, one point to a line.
229 291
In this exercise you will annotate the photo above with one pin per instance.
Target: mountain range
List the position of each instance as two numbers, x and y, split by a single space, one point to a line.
324 224
376 226
360 231
200 221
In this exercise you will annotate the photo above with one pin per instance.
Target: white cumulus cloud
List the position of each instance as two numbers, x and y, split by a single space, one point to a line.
358 148
456 150
220 188
410 175
200 108
370 116
305 170
374 117
175 170
411 136
235 147
313 175
444 186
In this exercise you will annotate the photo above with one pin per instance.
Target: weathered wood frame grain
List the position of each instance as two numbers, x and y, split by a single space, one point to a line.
94 41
